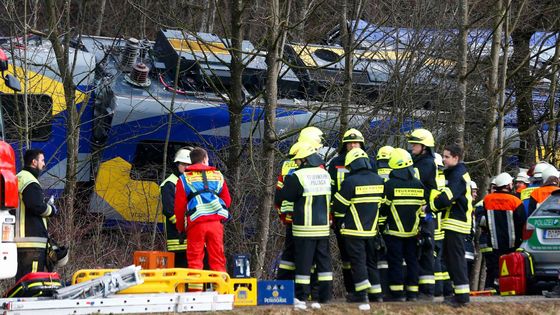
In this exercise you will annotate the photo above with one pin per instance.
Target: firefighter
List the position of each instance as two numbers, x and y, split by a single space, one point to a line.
351 139
357 203
455 201
383 170
504 216
521 182
202 201
287 266
535 177
175 241
382 160
31 217
550 183
404 199
442 280
309 189
422 144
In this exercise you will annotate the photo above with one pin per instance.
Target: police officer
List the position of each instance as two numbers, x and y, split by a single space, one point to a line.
357 203
422 145
455 201
404 199
309 189
175 242
350 140
443 282
503 220
287 266
31 218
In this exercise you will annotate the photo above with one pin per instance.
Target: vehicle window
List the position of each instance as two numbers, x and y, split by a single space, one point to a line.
148 158
39 118
549 206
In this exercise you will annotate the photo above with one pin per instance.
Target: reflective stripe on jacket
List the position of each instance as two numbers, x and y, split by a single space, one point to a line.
358 202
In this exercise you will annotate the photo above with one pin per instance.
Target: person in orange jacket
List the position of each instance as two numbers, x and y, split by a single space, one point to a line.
202 204
504 215
550 177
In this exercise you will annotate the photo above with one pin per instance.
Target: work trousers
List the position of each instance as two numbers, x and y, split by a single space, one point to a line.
307 251
30 260
454 258
362 254
426 260
397 249
287 265
443 282
346 264
211 234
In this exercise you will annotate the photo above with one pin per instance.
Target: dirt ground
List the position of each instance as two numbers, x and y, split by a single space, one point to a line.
494 305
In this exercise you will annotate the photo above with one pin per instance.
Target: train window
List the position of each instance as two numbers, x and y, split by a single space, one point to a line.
148 158
39 119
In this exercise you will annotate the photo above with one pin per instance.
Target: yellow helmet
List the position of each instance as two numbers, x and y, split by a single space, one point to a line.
400 158
384 153
353 135
312 135
355 154
306 149
298 145
421 136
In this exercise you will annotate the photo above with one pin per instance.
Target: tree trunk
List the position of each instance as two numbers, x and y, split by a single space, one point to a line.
236 101
301 18
271 95
490 141
553 126
102 4
523 95
347 40
61 51
459 135
502 89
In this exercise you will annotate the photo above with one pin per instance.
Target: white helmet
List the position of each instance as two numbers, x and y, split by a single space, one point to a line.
539 168
522 177
503 179
473 185
549 172
438 159
183 156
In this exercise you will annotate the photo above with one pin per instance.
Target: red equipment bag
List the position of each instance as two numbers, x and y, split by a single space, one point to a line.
516 271
35 284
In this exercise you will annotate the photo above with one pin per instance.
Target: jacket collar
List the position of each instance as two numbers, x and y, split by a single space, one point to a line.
35 172
200 167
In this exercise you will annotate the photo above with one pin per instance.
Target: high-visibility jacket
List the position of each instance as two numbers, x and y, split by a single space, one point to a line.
284 208
402 208
455 200
201 195
167 191
32 214
383 169
310 190
526 196
358 202
504 215
538 196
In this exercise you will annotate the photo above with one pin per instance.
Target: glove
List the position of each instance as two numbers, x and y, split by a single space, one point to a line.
379 244
182 237
54 209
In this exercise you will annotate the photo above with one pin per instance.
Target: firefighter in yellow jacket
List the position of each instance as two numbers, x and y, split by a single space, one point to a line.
31 226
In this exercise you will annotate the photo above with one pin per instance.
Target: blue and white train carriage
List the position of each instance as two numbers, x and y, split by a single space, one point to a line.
126 90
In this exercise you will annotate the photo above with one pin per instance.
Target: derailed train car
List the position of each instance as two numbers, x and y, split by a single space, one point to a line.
126 89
